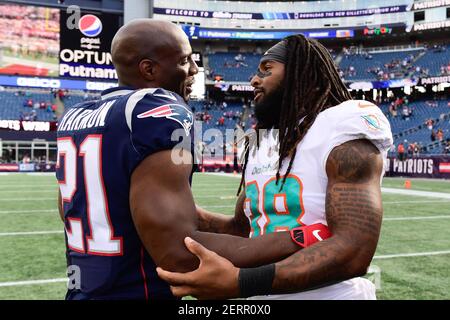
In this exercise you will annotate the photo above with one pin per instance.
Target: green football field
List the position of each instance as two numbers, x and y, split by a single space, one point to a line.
413 255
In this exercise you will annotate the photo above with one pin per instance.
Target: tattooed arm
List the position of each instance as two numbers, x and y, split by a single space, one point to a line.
237 225
354 212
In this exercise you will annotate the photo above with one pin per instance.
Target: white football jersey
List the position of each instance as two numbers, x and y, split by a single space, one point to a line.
302 199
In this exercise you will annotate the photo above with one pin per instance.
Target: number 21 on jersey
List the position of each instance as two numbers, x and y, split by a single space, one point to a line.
269 209
101 240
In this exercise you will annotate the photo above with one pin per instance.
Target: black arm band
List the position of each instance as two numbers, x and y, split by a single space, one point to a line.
256 281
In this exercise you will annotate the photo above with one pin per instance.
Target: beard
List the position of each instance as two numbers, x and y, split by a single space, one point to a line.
268 109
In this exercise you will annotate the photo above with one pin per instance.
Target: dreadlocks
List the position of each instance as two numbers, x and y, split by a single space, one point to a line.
311 85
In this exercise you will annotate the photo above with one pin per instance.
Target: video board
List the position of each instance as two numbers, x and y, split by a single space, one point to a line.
29 41
49 42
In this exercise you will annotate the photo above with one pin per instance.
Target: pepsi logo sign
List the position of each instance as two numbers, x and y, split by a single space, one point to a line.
90 25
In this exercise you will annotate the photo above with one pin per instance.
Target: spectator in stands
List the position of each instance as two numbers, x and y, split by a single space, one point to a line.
429 123
61 94
440 135
207 117
416 149
26 158
33 115
393 109
433 135
393 148
431 103
351 71
239 58
447 147
401 152
410 150
411 111
405 112
221 121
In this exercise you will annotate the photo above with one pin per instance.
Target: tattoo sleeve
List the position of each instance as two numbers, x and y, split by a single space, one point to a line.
354 214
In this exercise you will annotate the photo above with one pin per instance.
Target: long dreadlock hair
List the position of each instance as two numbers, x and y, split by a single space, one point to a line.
311 85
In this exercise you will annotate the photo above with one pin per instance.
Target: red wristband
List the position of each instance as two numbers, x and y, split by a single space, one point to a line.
308 235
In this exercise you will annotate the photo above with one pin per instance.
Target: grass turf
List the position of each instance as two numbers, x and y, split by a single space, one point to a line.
28 204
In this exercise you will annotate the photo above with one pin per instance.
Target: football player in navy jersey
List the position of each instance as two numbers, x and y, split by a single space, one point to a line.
125 202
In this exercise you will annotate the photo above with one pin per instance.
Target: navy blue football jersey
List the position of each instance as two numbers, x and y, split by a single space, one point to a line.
100 143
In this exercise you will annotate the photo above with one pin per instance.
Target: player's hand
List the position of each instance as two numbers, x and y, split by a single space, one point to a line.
215 277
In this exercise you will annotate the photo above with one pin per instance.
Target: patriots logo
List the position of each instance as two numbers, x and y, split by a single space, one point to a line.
176 112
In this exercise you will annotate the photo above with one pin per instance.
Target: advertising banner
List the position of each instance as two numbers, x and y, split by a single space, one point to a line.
435 80
420 167
17 125
395 83
279 15
55 83
194 32
5 167
26 167
85 45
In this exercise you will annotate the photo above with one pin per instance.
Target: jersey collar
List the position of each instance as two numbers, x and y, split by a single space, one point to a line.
116 92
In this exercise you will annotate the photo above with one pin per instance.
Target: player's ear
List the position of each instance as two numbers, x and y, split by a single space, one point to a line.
148 69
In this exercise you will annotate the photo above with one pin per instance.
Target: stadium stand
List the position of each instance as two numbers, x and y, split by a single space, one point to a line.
355 65
437 60
233 66
34 104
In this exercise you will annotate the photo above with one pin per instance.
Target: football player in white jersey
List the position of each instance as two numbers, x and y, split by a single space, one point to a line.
331 151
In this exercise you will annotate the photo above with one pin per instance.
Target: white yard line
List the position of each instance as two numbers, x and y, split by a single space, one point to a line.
209 189
26 192
416 218
29 211
416 254
389 256
61 231
31 233
7 186
227 206
28 199
31 282
415 179
36 174
419 201
429 194
217 197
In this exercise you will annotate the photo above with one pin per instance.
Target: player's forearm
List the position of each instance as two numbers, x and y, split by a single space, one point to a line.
216 222
246 252
326 262
237 225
